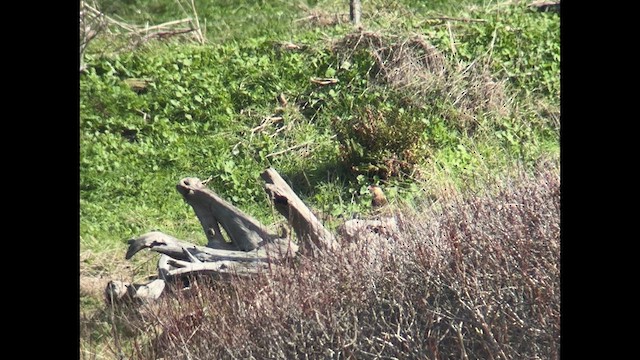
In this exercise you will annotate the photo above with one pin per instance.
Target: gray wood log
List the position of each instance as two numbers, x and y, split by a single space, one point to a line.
250 249
312 235
168 245
121 291
181 258
245 232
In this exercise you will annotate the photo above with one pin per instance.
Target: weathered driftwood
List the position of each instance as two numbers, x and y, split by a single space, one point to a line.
118 291
179 256
249 249
245 232
312 235
181 250
368 229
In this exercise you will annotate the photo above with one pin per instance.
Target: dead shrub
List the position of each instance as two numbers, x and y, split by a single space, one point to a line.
423 88
398 62
122 37
474 277
424 73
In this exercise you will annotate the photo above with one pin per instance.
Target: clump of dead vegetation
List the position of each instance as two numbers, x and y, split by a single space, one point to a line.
411 64
425 83
122 36
467 277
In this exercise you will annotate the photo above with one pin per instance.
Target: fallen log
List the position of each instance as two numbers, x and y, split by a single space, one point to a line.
185 251
180 257
248 248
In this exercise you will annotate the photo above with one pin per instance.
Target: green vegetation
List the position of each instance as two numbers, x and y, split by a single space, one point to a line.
431 99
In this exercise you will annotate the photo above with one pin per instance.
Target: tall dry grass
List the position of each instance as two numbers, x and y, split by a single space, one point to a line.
471 277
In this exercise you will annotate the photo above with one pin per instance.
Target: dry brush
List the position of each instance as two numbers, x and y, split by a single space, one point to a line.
468 277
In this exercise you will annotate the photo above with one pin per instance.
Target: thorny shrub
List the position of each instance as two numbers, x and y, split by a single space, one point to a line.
467 277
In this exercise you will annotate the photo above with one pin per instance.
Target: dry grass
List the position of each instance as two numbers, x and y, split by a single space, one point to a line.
97 269
468 277
124 37
413 65
400 62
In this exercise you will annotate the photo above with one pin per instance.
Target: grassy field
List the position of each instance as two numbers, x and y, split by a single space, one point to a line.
445 105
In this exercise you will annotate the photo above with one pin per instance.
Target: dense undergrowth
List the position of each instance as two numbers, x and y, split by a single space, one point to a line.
426 107
474 277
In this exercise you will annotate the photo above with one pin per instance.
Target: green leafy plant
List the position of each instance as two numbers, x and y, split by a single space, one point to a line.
520 42
385 143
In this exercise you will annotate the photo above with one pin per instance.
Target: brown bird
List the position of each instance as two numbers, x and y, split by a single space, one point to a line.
379 199
282 100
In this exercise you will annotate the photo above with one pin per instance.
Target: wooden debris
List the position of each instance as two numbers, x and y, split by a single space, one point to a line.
245 233
266 122
249 248
355 11
324 81
312 236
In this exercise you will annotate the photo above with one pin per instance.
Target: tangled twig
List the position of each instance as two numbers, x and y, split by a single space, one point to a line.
93 22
